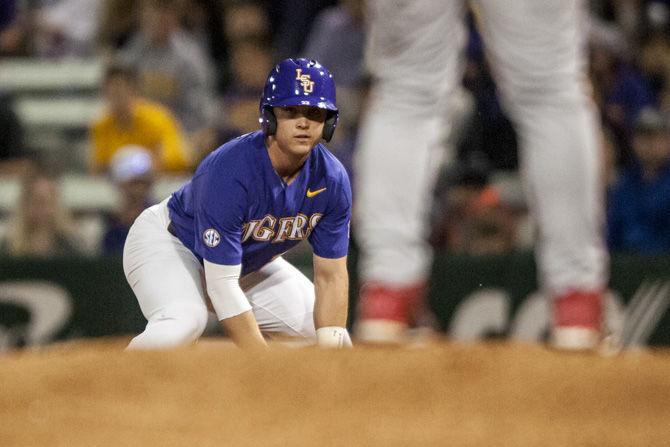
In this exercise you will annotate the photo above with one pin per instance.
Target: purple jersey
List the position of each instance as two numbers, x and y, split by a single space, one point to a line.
236 209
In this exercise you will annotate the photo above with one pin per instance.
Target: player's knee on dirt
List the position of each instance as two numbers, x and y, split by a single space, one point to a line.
172 326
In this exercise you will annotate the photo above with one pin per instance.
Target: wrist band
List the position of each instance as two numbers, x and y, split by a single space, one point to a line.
333 337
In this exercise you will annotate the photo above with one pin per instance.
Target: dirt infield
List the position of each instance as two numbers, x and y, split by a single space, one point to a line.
441 395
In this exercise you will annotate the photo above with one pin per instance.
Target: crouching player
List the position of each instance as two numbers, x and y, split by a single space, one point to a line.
218 240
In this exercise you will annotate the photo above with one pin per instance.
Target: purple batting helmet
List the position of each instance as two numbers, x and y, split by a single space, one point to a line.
299 82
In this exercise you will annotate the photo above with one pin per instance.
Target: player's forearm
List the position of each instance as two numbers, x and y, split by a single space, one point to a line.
231 305
332 301
243 331
330 313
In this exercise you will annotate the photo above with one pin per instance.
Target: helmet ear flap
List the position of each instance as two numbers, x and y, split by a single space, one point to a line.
329 125
269 121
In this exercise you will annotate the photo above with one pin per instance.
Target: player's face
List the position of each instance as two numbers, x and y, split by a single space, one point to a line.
299 128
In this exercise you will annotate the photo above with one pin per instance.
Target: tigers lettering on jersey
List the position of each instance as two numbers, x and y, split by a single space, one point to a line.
269 228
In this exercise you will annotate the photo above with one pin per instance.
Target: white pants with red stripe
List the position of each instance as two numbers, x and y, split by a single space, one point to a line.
168 281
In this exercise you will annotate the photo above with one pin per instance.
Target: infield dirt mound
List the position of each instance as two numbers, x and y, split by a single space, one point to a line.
441 395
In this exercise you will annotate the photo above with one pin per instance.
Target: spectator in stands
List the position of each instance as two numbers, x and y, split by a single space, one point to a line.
13 29
470 216
246 20
337 40
117 22
132 172
654 61
172 67
639 202
131 119
204 21
250 60
620 89
40 226
67 28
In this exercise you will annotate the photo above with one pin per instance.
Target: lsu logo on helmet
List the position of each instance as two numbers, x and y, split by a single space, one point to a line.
305 81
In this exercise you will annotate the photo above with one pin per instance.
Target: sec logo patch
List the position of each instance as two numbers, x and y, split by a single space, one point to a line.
211 237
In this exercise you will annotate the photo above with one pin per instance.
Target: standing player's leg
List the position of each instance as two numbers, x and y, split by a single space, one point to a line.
282 299
413 53
536 51
166 279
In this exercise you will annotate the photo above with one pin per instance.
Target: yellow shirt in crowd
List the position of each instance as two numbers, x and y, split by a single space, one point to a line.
153 127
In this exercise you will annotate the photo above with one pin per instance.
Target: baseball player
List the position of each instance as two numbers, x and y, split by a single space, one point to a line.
218 240
535 49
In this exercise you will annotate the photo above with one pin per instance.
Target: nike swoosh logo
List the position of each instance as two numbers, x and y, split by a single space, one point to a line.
313 193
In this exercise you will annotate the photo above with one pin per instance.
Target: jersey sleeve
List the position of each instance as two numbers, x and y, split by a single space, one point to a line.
330 236
219 215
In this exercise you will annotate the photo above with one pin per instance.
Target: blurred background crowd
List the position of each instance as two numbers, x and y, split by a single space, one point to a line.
106 106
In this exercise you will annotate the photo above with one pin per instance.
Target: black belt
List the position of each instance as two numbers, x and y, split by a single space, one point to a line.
171 229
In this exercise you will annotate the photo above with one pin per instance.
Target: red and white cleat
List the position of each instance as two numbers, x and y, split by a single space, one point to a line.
578 321
385 313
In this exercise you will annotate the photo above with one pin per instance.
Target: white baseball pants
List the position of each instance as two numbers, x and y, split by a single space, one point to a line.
168 281
535 48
